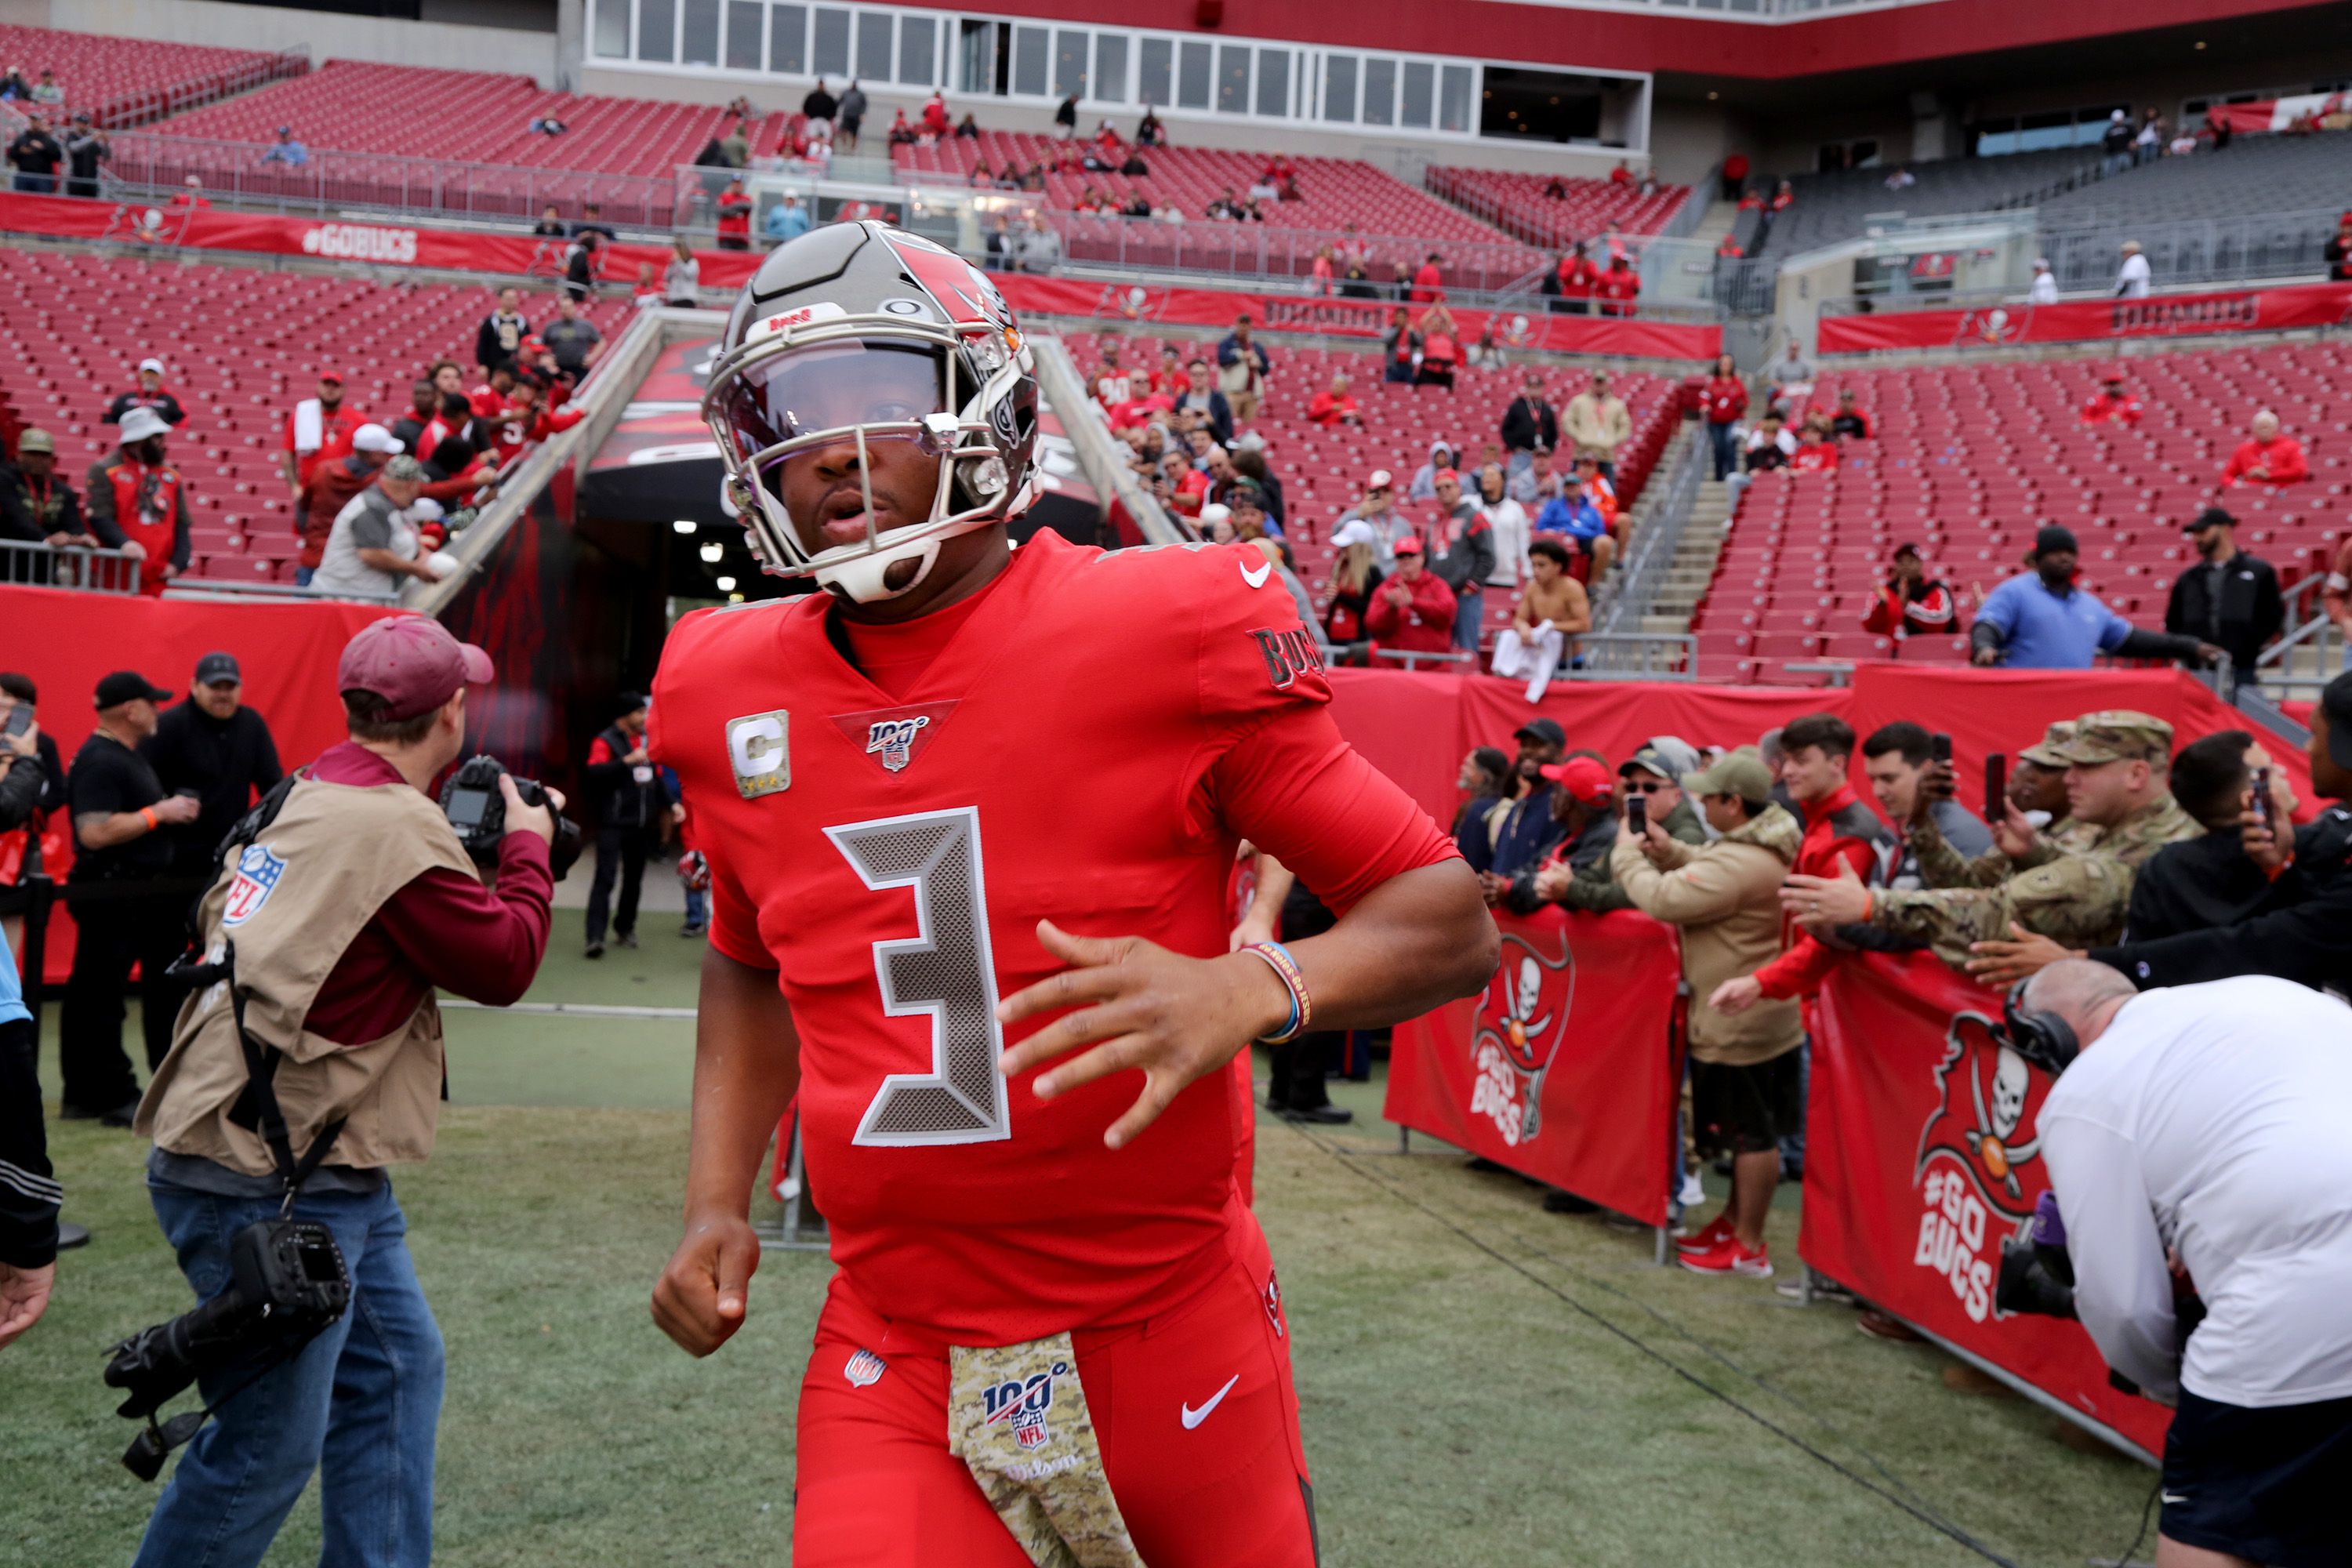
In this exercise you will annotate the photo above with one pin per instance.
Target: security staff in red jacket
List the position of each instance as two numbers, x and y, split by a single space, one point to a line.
139 502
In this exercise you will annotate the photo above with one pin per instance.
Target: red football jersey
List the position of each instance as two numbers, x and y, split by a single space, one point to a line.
1087 748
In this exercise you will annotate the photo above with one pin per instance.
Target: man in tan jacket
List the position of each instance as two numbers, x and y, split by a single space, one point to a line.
1746 1085
1597 424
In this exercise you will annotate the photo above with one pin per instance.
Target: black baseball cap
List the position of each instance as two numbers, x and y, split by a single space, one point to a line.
127 686
625 702
2055 538
2335 702
2211 517
1545 729
215 667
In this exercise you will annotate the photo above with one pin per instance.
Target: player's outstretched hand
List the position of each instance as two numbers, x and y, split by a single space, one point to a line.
700 1300
1176 1018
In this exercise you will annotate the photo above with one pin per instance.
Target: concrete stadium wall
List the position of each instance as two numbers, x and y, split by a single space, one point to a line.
328 36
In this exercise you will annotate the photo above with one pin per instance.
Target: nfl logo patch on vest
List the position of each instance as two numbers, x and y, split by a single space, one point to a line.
258 871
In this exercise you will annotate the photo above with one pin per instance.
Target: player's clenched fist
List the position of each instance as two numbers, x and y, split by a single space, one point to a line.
700 1298
1177 1018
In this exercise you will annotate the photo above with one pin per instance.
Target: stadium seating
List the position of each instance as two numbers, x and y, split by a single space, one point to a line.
1398 223
1322 470
126 81
412 111
2253 174
1967 461
243 346
1517 204
1836 206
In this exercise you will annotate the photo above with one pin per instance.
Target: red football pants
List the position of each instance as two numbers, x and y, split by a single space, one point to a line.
878 1489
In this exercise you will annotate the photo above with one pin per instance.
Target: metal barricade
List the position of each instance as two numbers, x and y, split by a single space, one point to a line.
31 563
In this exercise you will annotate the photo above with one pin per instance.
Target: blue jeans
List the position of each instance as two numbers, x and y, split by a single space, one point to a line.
697 907
1726 444
1469 619
303 575
359 1404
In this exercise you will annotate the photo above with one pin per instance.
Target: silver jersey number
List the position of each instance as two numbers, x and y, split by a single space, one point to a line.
944 970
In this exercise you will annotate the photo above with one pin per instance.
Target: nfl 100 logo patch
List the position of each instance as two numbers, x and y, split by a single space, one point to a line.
1023 1406
258 875
891 740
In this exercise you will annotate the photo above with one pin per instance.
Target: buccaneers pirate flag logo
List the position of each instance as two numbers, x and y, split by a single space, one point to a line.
1981 1125
1521 1021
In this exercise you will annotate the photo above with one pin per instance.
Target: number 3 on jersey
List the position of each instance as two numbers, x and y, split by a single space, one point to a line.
944 970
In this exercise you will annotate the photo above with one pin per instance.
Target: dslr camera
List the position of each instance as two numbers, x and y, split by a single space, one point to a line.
2036 1273
476 808
287 1284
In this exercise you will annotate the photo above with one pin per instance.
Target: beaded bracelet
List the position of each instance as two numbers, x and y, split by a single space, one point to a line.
1278 958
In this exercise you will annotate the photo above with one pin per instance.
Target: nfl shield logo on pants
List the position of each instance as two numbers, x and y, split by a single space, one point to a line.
864 1368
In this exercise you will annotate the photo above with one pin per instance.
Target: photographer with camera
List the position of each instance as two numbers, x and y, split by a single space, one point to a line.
308 1059
2196 1135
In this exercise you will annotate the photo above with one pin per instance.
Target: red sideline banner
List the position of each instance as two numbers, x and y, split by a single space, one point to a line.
2093 320
1922 1160
386 243
1567 1069
1352 318
66 641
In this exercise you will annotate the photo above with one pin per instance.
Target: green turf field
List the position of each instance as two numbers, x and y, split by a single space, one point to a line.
1483 1383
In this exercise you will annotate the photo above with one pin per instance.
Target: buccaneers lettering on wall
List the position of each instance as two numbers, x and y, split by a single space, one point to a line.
1974 1155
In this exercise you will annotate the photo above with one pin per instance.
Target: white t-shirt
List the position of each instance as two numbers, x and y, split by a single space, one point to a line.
2044 290
1509 519
2131 280
2215 1119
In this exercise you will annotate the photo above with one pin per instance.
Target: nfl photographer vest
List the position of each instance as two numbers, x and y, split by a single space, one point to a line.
291 901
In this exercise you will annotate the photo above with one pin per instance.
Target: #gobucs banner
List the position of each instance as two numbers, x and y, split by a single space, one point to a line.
1922 1159
2082 321
1567 1069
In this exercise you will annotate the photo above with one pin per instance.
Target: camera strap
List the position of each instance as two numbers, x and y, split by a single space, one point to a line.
256 1109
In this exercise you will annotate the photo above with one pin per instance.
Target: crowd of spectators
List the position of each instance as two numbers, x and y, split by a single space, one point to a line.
1778 857
372 499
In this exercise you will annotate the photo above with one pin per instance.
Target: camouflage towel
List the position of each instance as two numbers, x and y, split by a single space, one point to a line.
1018 1419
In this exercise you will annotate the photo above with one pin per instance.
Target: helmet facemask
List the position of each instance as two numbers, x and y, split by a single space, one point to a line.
834 391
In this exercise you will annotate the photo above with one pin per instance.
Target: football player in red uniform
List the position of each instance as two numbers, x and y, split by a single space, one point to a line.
968 814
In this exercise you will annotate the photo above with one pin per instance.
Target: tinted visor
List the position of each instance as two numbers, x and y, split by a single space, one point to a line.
832 386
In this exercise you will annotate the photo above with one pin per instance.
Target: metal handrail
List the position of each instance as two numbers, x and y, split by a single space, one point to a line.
1658 537
33 563
1633 656
237 588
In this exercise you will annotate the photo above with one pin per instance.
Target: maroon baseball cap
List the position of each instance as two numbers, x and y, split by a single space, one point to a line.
1582 778
411 662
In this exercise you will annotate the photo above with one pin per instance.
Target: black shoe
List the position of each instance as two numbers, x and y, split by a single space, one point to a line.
1325 1115
595 950
1557 1202
691 930
121 1115
628 938
72 1235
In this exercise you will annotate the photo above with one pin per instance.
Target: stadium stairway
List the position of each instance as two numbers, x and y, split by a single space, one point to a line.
1687 576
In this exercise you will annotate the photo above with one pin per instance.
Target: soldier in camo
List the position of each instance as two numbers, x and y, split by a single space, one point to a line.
2074 887
2038 776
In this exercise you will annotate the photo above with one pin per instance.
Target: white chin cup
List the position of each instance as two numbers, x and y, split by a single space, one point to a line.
862 578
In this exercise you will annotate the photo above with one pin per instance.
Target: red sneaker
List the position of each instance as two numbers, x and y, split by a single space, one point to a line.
1729 1258
1716 1232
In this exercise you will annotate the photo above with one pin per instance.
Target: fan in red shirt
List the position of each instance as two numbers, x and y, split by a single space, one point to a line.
2111 405
1188 487
734 217
1816 453
1620 175
1412 612
2269 458
1428 288
1334 407
994 1013
1840 835
318 431
1910 603
1618 287
1579 278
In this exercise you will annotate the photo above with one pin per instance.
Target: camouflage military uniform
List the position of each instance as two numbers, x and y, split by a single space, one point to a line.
2079 892
1942 866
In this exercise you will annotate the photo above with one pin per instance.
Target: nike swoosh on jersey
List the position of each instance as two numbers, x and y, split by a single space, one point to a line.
2170 1498
1257 579
1194 1417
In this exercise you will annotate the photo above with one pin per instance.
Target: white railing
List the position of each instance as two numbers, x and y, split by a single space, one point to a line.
32 564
